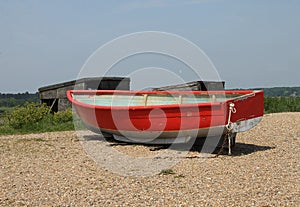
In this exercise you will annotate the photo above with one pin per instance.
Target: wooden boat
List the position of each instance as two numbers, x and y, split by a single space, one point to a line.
167 116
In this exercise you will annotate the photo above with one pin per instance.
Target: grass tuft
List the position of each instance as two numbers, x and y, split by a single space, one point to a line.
179 176
167 172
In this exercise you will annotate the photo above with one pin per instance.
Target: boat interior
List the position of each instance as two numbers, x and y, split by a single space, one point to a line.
151 99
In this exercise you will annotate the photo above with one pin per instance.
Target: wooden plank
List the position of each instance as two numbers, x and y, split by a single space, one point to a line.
48 94
194 86
83 80
64 104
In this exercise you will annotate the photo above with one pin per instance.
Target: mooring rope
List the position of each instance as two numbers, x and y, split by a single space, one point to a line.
230 126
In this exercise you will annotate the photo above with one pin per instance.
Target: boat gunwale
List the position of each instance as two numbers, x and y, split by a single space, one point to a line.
243 93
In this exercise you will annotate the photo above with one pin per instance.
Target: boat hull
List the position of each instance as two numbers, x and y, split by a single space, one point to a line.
171 123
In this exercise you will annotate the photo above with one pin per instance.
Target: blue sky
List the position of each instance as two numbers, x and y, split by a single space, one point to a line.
253 43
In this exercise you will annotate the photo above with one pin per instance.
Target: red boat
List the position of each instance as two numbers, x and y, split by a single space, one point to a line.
168 116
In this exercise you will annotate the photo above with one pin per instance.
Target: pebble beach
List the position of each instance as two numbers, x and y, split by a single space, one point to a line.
53 169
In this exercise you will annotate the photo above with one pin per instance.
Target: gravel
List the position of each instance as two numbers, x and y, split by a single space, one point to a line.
53 169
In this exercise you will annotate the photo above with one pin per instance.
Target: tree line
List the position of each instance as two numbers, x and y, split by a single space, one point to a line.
282 104
11 100
281 91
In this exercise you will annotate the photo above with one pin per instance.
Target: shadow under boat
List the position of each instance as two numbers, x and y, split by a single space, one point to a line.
200 145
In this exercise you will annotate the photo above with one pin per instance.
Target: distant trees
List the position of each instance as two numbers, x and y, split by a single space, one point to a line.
282 104
282 99
8 102
12 100
281 91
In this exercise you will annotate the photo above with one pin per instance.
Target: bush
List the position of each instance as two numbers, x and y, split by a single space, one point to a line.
35 118
63 116
29 114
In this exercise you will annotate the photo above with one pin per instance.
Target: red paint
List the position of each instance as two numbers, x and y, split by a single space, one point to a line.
170 117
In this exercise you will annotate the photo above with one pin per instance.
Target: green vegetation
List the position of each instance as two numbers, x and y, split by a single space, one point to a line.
282 104
35 118
282 99
167 172
9 100
3 112
171 172
28 115
282 91
179 176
